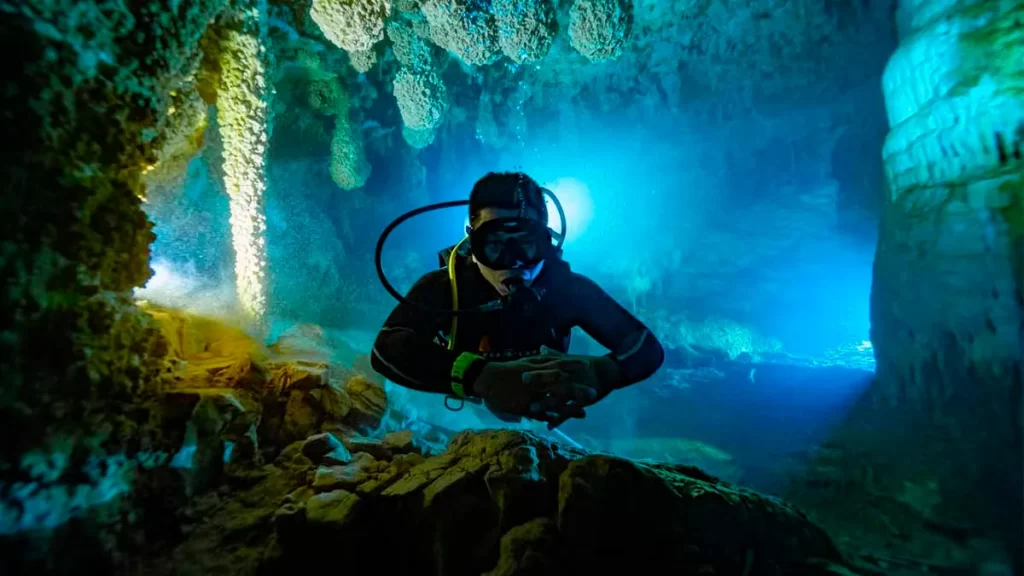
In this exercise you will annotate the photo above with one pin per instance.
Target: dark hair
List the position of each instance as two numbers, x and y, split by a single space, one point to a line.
498 190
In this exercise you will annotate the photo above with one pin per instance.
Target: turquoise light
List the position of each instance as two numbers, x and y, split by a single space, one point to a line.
577 203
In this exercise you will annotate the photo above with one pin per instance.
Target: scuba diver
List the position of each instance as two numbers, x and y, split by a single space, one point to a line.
509 350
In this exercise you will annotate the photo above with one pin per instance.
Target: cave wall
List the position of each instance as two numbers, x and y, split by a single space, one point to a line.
947 302
89 105
93 105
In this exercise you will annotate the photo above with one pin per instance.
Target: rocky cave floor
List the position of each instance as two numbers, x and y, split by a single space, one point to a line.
289 463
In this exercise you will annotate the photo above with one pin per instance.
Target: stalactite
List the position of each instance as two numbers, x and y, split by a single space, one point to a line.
242 112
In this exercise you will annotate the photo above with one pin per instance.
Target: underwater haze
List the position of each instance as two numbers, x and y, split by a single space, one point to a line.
718 207
720 164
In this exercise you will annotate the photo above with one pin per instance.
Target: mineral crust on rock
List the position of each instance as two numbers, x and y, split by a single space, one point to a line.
505 502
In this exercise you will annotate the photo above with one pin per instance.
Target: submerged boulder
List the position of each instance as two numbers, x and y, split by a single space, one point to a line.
220 432
612 513
369 402
530 548
320 447
402 442
347 476
499 503
508 502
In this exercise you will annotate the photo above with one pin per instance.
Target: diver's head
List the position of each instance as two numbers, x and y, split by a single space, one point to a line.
508 228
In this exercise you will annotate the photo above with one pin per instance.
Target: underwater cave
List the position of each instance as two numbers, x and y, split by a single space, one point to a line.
814 207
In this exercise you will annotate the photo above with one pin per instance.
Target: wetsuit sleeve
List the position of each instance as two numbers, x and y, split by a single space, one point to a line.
633 346
405 350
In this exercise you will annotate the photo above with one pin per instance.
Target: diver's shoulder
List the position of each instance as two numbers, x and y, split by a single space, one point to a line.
434 277
578 279
429 285
570 280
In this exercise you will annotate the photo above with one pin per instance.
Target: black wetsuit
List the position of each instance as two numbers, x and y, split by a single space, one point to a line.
411 348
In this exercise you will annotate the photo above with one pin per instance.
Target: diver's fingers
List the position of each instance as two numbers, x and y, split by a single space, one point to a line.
556 419
584 393
540 405
544 406
558 393
561 361
563 399
572 370
550 351
541 360
573 365
569 391
555 398
549 402
538 379
573 412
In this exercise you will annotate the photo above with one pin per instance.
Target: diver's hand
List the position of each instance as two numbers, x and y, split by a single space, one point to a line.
586 381
511 387
561 400
590 378
557 394
597 373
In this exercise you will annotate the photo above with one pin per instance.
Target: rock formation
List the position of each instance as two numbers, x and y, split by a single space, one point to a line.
947 306
140 439
500 502
260 462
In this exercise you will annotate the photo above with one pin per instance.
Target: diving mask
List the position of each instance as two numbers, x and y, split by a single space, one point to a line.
510 243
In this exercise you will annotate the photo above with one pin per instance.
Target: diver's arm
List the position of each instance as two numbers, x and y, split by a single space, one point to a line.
635 353
405 351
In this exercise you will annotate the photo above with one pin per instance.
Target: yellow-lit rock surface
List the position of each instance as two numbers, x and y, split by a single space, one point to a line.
283 465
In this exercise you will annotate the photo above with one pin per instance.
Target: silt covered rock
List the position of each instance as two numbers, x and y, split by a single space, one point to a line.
220 430
530 548
368 402
613 512
508 502
320 446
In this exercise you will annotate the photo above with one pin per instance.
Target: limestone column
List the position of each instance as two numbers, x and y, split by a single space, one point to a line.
947 302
